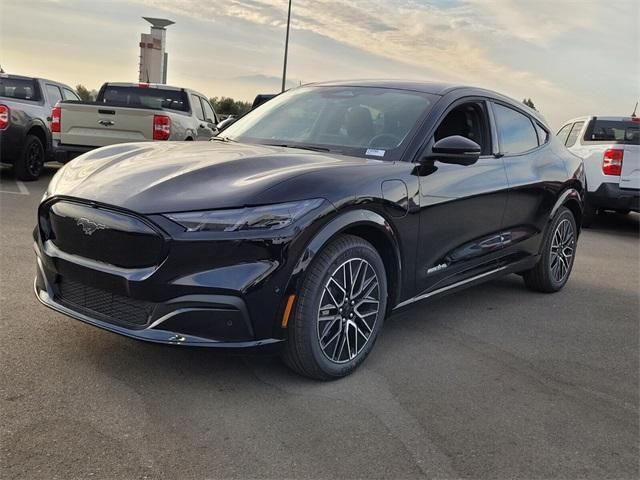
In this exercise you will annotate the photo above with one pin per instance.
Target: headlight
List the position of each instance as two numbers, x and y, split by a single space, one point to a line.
268 217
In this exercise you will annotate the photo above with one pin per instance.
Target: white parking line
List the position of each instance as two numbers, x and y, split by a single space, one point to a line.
22 189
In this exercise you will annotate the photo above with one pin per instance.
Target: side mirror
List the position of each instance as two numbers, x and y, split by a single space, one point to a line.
456 149
226 123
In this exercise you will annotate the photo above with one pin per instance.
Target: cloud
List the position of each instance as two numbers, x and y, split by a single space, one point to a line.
447 40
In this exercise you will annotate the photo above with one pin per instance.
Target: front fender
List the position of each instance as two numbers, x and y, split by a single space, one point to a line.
343 222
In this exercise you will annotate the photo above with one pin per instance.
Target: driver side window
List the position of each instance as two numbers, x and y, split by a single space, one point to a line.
468 120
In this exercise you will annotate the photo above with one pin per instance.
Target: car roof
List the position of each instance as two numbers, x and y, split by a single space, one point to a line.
24 77
434 88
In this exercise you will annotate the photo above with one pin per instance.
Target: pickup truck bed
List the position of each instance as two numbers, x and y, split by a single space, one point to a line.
125 113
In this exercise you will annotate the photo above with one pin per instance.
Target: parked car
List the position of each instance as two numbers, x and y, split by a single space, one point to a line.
610 148
231 119
25 136
310 220
131 112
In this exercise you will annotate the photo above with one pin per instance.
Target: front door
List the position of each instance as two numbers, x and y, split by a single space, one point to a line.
461 207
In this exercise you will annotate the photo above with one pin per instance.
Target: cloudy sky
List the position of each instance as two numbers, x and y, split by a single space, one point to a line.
572 57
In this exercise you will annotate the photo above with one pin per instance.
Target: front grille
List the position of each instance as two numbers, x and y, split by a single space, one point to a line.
116 238
107 306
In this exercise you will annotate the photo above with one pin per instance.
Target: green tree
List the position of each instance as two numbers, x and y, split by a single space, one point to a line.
529 103
229 106
84 93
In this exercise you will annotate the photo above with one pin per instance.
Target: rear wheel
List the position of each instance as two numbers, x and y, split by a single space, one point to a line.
29 166
558 253
339 312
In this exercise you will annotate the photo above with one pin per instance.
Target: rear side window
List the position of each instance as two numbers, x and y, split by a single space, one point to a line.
573 135
53 93
145 97
515 130
197 107
613 131
19 88
543 135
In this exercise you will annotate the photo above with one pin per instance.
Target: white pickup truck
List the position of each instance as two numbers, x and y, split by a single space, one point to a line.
610 149
130 112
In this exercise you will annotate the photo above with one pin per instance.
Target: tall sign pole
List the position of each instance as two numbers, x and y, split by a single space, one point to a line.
286 49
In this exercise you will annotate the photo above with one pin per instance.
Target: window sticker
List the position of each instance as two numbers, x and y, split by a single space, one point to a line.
373 152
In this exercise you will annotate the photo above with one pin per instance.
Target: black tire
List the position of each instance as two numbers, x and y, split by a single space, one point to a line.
29 166
303 351
545 276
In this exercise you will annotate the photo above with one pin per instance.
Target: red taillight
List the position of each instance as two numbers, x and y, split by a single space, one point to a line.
635 119
4 117
143 85
56 117
161 127
612 161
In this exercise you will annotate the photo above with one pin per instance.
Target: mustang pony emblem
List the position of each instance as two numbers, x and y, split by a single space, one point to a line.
89 226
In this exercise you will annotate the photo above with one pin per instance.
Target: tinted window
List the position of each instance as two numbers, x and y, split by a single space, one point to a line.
69 94
145 97
515 130
21 88
361 121
469 121
543 135
564 133
208 112
53 93
197 107
617 131
573 136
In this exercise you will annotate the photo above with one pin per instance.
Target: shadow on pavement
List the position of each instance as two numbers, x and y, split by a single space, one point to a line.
616 223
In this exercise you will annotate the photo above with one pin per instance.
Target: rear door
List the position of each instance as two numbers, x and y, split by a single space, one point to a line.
536 175
204 128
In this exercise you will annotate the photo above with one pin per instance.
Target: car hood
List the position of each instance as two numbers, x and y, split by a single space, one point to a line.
182 176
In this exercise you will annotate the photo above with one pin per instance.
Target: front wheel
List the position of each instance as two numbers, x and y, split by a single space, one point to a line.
339 312
558 253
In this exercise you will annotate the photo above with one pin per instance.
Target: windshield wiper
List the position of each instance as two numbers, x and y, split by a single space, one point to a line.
221 139
301 147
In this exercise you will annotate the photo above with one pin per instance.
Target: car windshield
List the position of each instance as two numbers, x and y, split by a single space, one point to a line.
360 121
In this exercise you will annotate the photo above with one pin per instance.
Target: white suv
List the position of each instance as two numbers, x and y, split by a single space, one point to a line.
610 149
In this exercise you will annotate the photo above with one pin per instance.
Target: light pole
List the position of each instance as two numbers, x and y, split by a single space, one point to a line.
286 49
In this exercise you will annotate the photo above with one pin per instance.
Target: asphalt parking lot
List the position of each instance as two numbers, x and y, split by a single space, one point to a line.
494 382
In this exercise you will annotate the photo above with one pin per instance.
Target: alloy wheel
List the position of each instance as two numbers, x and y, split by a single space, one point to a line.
35 159
562 251
348 310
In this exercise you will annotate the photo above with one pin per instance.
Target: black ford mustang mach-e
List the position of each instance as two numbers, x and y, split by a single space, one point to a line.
310 219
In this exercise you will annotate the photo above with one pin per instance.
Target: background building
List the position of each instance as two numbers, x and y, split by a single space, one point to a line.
153 58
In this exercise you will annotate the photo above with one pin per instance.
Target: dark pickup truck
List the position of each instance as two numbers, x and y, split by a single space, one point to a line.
25 116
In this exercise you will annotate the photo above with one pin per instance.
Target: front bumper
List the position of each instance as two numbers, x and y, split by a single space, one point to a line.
611 196
181 324
199 291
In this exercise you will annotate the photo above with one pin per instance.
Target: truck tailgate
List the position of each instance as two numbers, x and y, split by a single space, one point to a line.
96 125
630 176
